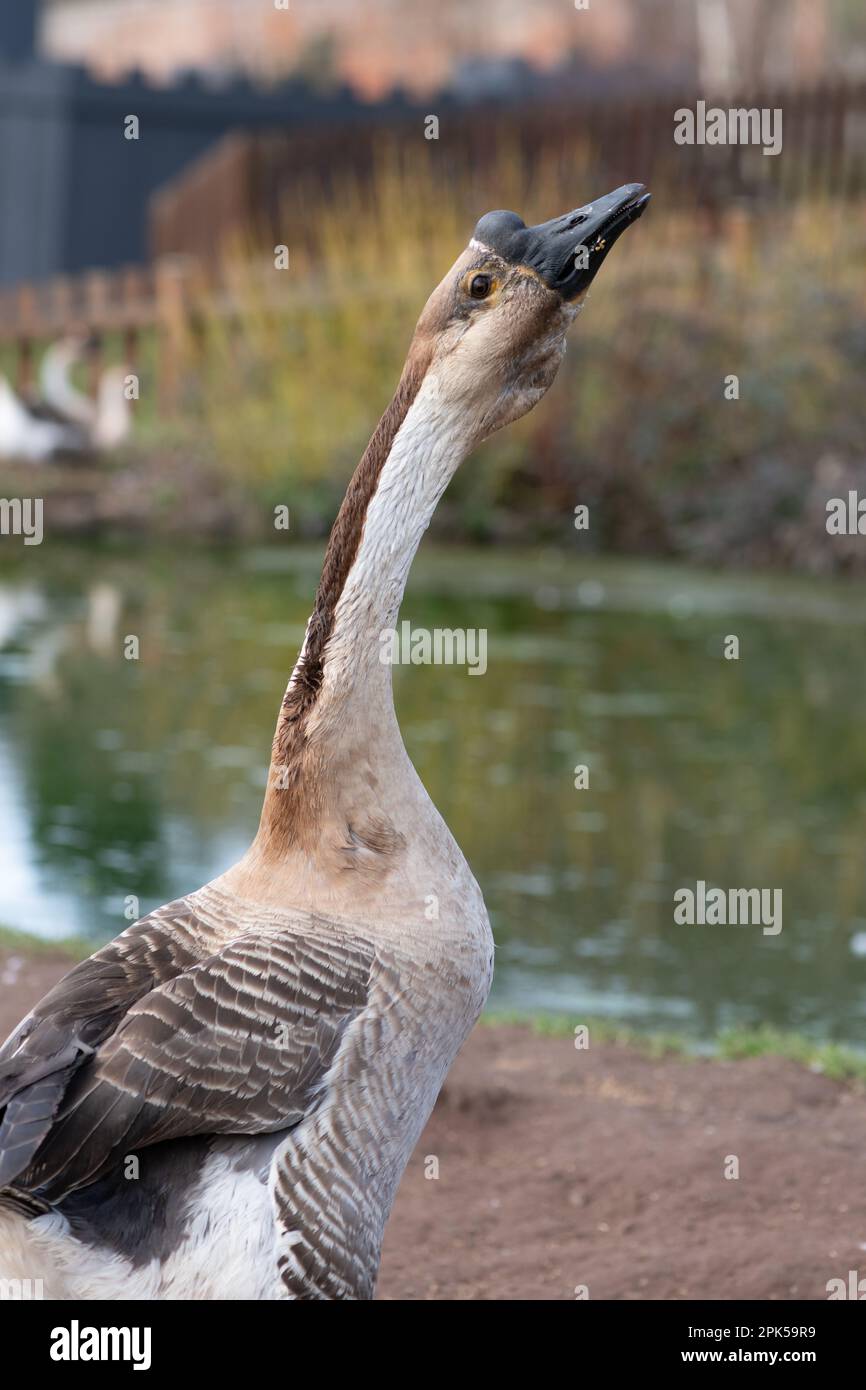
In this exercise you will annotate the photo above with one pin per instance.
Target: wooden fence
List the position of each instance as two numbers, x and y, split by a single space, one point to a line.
249 183
97 304
119 307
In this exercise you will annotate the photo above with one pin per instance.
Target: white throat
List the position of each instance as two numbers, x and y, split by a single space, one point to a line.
427 450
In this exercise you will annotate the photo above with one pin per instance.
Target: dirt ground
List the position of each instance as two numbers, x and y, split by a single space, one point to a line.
605 1168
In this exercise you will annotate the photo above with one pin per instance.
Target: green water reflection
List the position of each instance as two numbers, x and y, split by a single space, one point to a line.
144 777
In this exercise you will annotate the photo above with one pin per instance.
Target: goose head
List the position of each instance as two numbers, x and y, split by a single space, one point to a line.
494 330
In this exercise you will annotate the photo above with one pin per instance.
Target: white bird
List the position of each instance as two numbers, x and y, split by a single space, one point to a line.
106 422
62 419
112 418
26 435
58 392
221 1102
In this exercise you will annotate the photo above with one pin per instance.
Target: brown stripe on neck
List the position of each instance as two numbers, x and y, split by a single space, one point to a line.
340 555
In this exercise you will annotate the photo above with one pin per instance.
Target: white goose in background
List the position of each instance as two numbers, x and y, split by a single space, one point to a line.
58 392
28 435
107 421
261 1056
112 419
58 421
63 419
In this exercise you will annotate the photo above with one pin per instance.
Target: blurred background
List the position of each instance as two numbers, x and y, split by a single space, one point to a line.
152 157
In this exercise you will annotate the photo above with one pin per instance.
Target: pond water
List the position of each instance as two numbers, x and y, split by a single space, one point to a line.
145 777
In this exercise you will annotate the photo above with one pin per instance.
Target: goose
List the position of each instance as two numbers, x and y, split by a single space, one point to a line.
61 419
56 421
28 434
221 1102
112 418
104 422
58 392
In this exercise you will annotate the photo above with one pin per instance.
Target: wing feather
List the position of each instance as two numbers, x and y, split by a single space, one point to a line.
236 1043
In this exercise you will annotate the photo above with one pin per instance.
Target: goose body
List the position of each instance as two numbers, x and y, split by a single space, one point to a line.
25 434
111 424
221 1102
62 419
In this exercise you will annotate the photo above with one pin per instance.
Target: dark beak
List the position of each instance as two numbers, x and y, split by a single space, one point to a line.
572 248
566 253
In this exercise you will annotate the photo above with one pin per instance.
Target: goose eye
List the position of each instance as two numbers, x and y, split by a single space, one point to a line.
480 286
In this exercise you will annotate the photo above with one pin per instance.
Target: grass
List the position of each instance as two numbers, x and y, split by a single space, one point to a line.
600 1030
732 1045
75 947
833 1060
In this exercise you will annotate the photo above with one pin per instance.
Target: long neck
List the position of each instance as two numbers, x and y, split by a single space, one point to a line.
426 452
338 706
57 387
